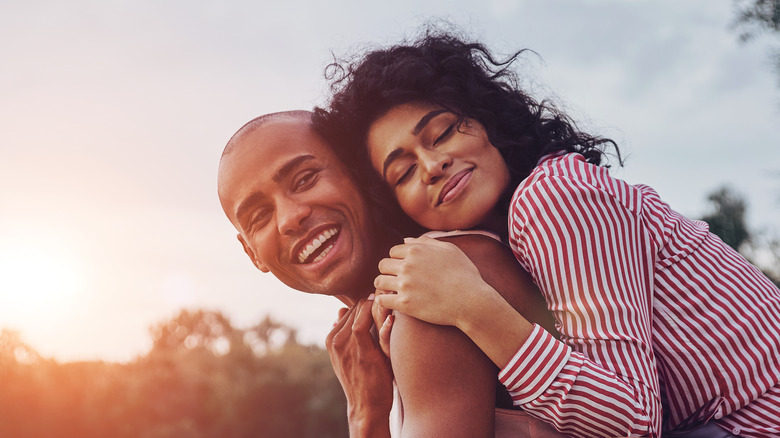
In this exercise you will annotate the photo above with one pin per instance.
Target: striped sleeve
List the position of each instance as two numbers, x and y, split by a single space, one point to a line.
582 240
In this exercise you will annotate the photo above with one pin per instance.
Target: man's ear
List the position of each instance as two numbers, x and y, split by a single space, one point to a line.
251 254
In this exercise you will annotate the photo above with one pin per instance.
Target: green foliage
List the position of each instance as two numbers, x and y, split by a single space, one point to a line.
202 378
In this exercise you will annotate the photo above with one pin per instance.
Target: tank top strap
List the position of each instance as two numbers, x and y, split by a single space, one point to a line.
440 234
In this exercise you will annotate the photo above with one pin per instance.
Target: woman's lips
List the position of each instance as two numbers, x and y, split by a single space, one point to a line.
454 186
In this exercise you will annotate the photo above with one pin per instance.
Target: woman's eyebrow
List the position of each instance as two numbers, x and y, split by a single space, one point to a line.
389 160
425 119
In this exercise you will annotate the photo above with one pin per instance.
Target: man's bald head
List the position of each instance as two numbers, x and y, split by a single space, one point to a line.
298 210
257 122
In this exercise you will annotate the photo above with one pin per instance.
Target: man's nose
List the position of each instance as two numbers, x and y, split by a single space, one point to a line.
433 165
290 214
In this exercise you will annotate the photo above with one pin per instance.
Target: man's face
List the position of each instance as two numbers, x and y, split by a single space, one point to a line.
299 213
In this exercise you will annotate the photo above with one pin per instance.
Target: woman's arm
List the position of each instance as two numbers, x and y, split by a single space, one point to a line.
446 383
582 237
602 381
449 283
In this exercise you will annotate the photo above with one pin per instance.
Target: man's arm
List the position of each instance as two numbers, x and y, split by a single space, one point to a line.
447 385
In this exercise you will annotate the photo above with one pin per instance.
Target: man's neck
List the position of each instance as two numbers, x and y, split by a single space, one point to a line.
365 285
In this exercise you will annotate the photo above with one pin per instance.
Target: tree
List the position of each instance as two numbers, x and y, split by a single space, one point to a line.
203 378
727 220
756 17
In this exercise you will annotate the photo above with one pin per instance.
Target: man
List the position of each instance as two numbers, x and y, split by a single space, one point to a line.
298 211
301 216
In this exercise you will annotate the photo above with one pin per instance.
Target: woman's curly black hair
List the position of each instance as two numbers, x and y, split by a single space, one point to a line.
463 77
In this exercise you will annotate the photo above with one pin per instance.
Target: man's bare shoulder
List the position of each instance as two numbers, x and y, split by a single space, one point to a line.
446 383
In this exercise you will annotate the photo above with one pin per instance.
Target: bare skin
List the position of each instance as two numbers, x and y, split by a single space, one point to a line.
464 298
353 350
460 362
304 193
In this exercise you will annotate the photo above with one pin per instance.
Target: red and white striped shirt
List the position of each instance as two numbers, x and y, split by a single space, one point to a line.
660 321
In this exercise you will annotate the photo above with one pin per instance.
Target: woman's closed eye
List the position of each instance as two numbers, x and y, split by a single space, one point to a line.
447 132
406 175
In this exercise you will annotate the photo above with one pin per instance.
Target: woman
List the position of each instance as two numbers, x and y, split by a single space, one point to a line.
645 299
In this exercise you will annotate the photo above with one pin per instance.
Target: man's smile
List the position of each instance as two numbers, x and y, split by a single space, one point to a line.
315 248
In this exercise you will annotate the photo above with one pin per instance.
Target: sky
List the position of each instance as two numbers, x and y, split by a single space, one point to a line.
113 115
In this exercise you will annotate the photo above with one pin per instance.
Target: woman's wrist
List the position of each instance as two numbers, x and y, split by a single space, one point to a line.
478 311
495 326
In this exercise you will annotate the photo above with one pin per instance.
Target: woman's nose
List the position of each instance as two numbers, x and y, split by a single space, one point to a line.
433 165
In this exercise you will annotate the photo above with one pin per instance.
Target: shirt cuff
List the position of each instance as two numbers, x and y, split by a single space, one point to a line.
535 366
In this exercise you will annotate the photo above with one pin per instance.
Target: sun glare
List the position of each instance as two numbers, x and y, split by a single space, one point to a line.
37 284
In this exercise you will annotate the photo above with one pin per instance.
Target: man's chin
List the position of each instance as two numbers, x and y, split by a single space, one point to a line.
343 279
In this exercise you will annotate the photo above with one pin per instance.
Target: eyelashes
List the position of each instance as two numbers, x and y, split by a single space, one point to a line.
406 175
453 127
302 182
450 129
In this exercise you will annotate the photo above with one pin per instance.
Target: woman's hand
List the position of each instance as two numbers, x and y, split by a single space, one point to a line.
431 280
363 371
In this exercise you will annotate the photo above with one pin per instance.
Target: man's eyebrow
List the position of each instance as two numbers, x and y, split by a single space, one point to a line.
246 205
289 166
424 120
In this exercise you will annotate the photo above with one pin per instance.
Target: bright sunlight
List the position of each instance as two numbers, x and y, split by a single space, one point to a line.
39 282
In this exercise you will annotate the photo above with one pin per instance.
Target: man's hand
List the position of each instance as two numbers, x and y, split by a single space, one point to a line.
363 371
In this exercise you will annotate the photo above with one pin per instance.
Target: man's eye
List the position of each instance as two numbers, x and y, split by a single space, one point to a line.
305 180
406 175
259 218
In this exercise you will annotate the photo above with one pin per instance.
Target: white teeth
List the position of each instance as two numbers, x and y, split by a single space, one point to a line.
316 243
322 254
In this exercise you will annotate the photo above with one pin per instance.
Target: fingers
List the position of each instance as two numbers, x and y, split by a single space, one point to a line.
399 251
386 283
360 329
391 301
413 244
378 312
384 334
425 240
363 319
338 335
390 266
343 311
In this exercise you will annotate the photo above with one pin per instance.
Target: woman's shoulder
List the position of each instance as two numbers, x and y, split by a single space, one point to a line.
562 176
571 183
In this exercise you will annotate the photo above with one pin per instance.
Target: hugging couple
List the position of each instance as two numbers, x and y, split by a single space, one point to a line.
495 274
